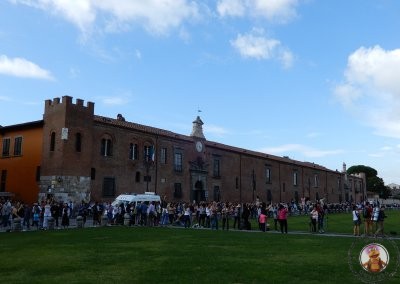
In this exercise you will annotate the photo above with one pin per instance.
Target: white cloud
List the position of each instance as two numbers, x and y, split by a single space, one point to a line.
280 11
235 8
156 16
371 89
386 148
256 45
138 54
20 67
74 72
313 134
5 99
306 151
114 101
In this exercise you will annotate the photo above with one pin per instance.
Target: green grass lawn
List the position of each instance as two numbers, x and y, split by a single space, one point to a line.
175 255
342 223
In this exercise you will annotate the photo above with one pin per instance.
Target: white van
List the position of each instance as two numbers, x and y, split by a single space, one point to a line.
135 197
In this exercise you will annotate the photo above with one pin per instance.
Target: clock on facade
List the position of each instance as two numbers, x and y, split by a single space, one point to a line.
199 146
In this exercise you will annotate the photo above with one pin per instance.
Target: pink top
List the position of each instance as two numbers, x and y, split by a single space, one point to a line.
282 214
262 218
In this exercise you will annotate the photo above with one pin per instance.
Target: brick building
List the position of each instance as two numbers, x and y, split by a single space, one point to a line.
89 157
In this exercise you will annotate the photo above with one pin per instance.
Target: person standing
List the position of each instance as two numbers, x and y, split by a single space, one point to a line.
186 217
55 212
36 211
214 216
262 220
27 216
356 221
225 216
46 215
236 216
314 219
367 214
374 216
282 218
275 216
380 221
65 216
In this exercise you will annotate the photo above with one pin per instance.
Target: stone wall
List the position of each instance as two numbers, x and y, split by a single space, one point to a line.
65 188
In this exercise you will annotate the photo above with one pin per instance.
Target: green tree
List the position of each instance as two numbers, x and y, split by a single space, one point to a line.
369 172
374 183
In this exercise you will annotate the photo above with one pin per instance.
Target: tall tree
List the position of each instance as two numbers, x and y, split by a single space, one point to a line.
374 183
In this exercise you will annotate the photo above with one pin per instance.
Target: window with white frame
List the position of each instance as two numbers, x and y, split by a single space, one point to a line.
295 178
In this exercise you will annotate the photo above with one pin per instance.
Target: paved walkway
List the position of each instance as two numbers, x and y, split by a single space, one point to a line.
89 224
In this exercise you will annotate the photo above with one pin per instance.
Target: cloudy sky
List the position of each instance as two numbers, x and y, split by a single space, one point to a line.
317 81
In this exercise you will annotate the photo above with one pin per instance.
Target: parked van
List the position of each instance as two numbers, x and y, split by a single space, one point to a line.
136 197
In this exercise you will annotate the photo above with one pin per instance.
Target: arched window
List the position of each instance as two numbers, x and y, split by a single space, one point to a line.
106 147
52 141
133 151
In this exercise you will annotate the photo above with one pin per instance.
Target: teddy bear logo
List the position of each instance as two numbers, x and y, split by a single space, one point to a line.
374 258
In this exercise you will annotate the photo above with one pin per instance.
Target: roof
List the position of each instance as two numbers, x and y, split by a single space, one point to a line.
21 126
170 134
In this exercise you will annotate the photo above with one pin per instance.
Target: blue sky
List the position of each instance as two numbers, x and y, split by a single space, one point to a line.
317 81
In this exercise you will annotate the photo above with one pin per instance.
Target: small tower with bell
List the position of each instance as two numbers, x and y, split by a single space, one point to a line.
197 131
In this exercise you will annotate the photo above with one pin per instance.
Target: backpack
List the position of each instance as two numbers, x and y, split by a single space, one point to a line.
365 212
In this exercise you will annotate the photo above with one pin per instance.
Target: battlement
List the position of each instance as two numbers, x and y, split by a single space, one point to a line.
66 102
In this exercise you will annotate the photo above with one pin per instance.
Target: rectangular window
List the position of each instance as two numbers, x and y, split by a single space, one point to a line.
217 193
295 178
6 147
78 142
18 146
216 168
38 173
177 190
106 147
137 177
108 187
267 175
163 156
3 180
237 182
133 151
149 153
92 173
316 181
178 162
52 141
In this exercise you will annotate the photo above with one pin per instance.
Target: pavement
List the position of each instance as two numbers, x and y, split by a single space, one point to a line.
89 224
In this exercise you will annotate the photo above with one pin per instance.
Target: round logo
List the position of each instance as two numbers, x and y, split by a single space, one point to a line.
374 258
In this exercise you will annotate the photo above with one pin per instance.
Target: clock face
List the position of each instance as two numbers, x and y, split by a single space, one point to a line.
199 146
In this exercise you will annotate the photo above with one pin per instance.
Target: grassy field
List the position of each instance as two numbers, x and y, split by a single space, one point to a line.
177 255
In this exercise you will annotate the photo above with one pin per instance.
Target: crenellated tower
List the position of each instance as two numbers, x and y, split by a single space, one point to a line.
66 137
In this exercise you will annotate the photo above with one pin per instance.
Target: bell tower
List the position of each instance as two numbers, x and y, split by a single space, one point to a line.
197 131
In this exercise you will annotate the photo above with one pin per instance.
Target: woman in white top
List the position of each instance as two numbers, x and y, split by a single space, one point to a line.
314 219
46 214
356 221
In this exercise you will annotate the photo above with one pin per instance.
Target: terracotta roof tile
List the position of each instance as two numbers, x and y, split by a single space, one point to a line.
170 134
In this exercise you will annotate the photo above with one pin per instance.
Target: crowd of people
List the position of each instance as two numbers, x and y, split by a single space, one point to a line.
373 217
35 215
213 215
